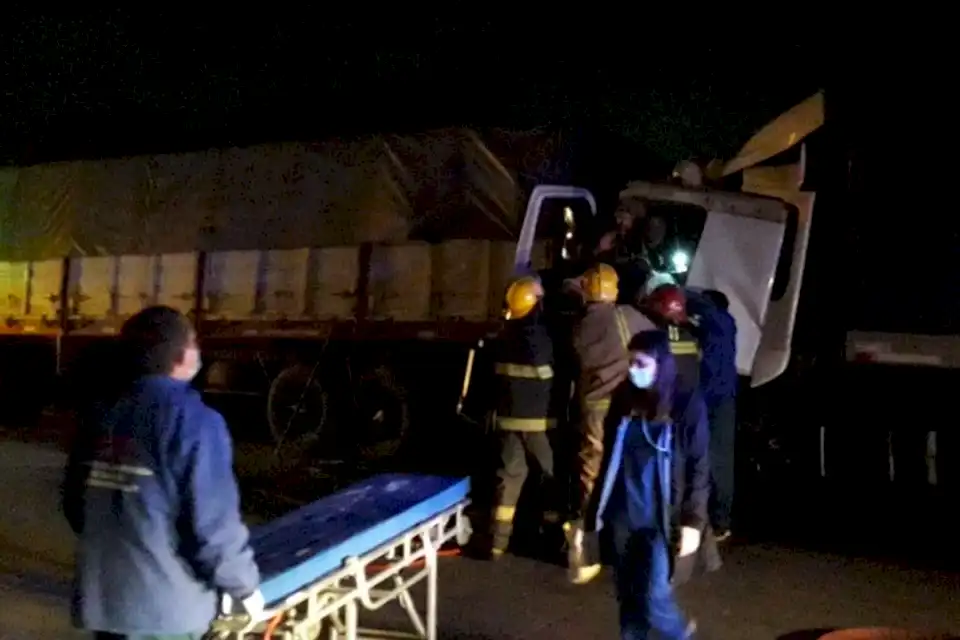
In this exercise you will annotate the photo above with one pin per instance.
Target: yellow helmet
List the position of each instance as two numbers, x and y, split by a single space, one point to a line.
522 296
601 284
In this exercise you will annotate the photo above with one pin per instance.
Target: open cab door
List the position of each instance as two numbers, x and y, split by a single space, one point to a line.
783 182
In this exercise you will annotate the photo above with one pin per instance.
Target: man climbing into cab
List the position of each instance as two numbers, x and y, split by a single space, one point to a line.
666 304
600 340
524 408
716 332
635 498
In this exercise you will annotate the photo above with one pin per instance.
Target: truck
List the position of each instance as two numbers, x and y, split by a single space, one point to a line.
349 286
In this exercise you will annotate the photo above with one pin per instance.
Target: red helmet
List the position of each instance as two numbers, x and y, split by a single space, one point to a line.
669 302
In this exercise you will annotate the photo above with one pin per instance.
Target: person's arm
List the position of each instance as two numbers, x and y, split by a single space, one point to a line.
73 489
696 485
220 552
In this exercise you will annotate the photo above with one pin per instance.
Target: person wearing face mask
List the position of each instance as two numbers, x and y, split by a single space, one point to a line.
600 341
524 360
150 493
636 497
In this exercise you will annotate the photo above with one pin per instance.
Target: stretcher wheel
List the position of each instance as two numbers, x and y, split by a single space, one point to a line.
465 532
296 405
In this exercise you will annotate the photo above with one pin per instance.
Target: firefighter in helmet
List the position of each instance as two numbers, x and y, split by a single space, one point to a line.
600 339
524 370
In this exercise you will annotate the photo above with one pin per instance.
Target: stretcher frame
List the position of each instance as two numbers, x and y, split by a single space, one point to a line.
333 603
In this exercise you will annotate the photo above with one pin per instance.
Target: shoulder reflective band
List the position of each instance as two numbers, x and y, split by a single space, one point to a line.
529 425
622 328
673 333
510 370
684 348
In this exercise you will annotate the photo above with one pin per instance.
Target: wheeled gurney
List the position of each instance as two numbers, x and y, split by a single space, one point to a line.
315 561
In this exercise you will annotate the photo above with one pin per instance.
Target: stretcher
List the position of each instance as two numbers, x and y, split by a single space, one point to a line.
316 562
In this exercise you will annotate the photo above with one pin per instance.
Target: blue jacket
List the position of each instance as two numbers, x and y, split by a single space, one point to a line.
716 331
646 455
150 492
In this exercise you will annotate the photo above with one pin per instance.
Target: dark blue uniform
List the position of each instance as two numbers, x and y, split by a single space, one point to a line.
150 492
716 332
635 503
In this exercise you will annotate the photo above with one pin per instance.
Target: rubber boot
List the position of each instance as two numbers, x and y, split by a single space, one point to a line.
583 563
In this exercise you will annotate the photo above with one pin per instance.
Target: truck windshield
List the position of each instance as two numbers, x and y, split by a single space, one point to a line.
656 235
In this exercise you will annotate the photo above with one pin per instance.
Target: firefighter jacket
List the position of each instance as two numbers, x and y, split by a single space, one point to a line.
686 353
524 369
600 340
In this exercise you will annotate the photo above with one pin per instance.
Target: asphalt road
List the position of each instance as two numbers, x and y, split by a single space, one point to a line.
763 593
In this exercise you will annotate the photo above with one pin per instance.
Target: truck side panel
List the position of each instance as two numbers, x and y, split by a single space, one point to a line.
453 281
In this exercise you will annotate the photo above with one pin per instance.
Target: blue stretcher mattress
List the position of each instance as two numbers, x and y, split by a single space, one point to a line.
303 546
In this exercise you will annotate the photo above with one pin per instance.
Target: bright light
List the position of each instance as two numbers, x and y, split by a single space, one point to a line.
680 261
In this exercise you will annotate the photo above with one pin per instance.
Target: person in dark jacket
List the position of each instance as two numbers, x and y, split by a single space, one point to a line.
636 498
150 493
665 303
716 332
524 410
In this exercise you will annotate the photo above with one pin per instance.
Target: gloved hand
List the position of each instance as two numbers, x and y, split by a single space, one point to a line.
253 605
689 541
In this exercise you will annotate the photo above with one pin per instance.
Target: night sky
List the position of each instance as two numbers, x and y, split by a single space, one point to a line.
126 82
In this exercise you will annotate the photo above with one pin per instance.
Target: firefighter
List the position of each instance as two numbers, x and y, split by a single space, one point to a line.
665 303
600 340
524 368
635 497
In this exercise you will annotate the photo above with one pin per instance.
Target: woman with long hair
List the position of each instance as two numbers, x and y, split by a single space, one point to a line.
635 501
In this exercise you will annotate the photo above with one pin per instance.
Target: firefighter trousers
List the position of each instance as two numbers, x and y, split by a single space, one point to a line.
515 449
590 459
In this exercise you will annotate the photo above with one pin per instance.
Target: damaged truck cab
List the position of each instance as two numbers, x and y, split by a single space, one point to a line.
751 244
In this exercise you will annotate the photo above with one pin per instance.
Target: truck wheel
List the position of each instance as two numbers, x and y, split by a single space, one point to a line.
296 405
383 416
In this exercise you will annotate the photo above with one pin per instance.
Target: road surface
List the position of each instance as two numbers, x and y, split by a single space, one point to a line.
763 593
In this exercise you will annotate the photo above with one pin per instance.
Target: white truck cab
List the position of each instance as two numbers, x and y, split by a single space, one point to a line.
751 244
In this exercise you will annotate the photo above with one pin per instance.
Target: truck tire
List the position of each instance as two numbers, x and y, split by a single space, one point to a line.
296 405
383 416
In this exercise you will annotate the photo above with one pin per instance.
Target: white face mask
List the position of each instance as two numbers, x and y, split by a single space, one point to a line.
643 371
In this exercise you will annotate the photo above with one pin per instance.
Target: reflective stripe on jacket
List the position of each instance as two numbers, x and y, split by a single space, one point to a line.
686 353
524 368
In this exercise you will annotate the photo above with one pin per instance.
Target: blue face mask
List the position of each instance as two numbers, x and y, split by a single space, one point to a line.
642 377
643 371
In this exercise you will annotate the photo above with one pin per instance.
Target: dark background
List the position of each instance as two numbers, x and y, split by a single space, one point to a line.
638 95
